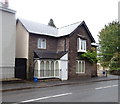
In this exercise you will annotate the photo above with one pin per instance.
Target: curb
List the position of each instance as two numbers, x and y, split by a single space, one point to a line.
60 84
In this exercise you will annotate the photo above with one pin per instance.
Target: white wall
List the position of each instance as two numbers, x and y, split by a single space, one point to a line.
22 41
0 45
8 29
0 56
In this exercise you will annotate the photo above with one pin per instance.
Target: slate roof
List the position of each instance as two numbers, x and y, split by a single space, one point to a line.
49 55
38 28
62 31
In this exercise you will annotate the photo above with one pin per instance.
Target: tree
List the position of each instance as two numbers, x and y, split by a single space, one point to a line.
115 62
51 23
109 41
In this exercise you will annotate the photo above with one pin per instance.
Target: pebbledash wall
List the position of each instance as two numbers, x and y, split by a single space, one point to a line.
8 28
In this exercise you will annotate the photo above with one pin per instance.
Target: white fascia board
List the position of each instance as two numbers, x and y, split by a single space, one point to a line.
94 44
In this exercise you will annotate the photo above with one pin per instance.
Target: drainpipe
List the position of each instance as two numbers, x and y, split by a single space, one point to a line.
65 45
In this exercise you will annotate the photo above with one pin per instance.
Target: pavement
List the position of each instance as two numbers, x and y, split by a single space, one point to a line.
24 84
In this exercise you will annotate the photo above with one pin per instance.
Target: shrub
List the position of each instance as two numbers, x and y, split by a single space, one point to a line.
91 56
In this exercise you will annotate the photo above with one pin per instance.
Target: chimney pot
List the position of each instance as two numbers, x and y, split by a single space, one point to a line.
5 3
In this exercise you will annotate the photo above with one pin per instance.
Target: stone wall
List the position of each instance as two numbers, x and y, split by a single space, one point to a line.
90 69
33 39
66 43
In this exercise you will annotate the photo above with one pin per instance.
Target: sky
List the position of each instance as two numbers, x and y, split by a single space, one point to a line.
96 13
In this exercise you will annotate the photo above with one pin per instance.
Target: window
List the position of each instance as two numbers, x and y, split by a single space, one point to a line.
47 68
80 66
52 68
36 69
42 43
81 45
56 68
42 69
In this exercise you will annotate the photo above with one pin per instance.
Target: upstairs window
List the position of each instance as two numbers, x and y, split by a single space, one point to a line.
81 45
42 43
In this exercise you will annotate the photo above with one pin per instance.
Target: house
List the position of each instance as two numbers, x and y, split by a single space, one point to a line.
7 41
43 51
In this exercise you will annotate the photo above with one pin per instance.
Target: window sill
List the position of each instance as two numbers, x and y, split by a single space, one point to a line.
80 72
42 48
81 51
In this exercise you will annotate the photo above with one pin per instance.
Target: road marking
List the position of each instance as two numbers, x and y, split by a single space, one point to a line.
47 97
106 87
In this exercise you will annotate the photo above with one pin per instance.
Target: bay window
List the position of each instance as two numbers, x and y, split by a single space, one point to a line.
81 45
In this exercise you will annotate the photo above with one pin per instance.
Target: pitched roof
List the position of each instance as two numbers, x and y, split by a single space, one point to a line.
38 28
62 31
49 55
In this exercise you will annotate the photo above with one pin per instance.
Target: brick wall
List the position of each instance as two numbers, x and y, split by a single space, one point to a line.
90 69
33 39
63 44
68 43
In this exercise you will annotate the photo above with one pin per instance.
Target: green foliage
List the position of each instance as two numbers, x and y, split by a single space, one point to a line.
51 23
109 41
91 56
115 62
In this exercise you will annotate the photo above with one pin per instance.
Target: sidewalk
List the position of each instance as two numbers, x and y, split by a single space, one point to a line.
13 86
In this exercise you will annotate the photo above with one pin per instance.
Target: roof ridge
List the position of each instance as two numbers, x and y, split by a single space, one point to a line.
70 24
36 22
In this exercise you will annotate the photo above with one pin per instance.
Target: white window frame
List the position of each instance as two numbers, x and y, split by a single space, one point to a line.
42 71
78 71
81 45
42 43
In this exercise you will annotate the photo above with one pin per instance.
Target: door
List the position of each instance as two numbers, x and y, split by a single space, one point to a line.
20 68
64 70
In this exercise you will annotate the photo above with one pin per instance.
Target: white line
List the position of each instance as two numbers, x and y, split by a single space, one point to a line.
31 100
114 85
106 87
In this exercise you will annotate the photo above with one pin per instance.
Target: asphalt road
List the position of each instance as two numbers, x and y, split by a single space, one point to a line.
91 92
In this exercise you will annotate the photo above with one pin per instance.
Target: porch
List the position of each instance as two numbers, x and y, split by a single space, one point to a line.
51 65
51 69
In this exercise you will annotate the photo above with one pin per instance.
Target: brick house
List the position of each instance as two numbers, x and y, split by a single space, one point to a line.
43 51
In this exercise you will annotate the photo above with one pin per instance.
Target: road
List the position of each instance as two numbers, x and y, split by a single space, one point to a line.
106 91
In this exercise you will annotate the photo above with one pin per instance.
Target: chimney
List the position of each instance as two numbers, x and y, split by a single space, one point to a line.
5 3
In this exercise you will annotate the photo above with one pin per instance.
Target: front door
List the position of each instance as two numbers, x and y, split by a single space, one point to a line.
64 70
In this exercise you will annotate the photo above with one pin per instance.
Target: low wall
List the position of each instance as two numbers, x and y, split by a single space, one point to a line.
115 72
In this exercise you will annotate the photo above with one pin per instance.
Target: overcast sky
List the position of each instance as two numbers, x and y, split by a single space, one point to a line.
96 13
